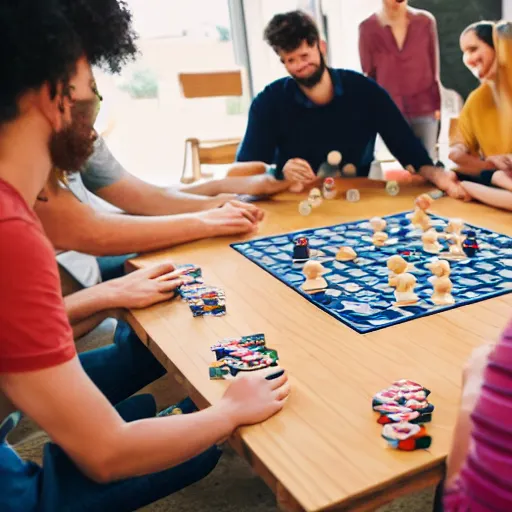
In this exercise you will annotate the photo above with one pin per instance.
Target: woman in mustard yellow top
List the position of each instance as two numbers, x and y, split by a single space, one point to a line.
482 148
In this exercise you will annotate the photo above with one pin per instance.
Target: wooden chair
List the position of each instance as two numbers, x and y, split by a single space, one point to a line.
214 152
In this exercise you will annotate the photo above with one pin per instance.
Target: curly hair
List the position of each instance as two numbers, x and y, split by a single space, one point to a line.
286 32
105 30
41 41
37 45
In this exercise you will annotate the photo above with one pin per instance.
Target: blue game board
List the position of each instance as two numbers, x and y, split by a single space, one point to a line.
488 274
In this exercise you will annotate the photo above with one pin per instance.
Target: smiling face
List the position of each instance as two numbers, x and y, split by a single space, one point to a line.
478 56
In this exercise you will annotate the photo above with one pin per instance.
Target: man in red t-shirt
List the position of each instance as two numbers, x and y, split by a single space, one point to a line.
47 109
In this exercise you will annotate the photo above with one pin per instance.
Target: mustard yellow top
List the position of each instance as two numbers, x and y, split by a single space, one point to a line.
479 125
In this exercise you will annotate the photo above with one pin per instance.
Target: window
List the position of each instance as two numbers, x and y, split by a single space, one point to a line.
144 117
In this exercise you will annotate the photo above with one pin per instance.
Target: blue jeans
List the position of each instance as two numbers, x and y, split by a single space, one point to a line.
118 370
112 267
426 128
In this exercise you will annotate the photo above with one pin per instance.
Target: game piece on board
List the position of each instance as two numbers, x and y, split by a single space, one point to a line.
430 242
420 216
305 208
456 251
346 253
315 197
329 188
353 195
470 244
349 170
301 251
378 224
406 436
392 188
402 281
441 282
455 226
380 238
314 283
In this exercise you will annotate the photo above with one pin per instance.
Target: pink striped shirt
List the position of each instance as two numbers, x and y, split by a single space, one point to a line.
410 74
485 482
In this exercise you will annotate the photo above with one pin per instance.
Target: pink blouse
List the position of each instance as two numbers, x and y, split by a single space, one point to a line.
410 75
485 482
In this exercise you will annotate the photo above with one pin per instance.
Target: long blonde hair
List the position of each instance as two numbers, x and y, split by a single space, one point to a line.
503 46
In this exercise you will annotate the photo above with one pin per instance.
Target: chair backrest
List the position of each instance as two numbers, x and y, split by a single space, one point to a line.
211 84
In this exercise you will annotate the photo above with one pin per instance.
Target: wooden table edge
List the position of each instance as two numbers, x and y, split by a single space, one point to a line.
426 476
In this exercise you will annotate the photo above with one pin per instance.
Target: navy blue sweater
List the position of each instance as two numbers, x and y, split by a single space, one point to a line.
283 123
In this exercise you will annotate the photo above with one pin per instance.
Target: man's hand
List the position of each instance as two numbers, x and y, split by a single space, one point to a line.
146 287
447 181
252 398
233 218
500 162
298 170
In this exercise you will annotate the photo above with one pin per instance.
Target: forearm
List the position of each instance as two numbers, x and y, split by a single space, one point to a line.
114 234
83 327
170 201
148 446
82 305
468 163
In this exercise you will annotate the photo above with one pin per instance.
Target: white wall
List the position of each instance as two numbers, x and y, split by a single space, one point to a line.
343 19
507 10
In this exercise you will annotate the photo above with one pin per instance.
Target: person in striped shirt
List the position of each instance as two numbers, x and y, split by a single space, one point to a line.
479 470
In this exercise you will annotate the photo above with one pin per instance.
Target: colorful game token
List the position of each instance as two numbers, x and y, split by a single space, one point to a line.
247 353
329 188
301 251
353 195
470 244
392 188
406 436
305 208
315 197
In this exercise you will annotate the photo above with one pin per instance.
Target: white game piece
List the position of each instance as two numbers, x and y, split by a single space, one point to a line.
346 253
379 238
329 188
305 208
392 188
378 224
402 281
455 226
334 158
314 283
349 170
315 197
456 248
430 242
353 195
441 282
420 216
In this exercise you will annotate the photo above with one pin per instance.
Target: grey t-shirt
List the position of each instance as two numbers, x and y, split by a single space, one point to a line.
102 168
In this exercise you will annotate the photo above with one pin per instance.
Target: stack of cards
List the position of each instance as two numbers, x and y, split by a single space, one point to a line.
201 298
403 408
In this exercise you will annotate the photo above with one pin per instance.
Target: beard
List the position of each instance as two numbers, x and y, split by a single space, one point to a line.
71 147
310 81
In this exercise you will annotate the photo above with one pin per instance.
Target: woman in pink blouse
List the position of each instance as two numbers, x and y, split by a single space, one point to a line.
399 49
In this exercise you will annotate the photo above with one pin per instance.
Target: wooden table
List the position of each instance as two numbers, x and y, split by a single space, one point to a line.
324 451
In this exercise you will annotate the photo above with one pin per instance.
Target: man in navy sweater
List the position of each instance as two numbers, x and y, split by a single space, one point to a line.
296 121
